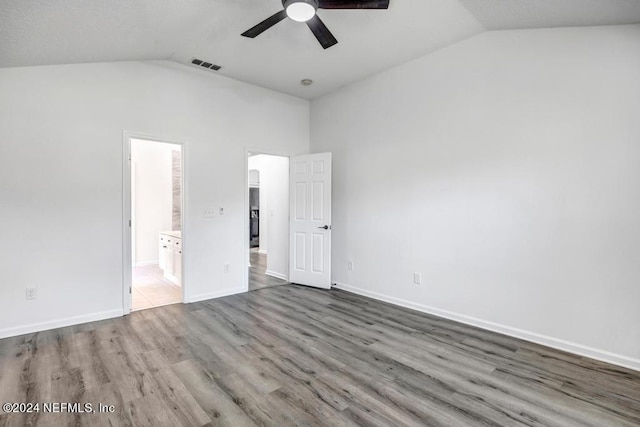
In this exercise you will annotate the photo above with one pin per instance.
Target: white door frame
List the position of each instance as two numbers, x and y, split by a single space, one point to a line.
246 209
127 257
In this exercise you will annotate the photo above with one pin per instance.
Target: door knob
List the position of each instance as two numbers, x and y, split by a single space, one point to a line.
326 227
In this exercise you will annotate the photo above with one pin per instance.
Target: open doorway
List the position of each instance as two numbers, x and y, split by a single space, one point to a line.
268 220
156 223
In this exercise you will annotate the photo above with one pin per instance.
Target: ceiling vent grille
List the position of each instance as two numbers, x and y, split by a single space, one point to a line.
205 64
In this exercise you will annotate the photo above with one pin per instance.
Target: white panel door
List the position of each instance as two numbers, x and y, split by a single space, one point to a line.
310 220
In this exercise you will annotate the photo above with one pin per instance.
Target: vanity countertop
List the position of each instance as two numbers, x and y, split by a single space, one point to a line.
176 234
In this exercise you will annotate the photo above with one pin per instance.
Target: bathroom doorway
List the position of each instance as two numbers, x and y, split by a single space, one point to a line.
156 185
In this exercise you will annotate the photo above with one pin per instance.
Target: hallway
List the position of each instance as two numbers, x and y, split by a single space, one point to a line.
257 277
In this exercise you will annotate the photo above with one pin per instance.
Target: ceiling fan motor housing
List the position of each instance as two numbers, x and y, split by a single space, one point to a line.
286 3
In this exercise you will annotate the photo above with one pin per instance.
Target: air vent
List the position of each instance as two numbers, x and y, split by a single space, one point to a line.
205 64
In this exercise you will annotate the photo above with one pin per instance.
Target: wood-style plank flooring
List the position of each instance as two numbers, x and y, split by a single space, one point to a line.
257 277
290 355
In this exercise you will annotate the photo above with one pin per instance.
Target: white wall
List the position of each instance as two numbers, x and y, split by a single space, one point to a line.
152 177
505 170
274 211
61 169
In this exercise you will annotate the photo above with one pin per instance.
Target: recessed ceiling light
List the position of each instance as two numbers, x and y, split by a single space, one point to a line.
306 82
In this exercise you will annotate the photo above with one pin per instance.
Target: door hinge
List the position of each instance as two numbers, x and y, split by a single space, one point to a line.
129 223
129 289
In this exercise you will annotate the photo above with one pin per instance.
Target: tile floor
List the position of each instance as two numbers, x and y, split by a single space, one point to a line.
151 289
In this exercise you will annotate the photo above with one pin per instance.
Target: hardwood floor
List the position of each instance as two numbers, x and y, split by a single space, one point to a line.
257 277
290 355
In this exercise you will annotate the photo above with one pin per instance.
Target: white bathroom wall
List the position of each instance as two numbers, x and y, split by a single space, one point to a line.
505 170
274 211
153 203
61 179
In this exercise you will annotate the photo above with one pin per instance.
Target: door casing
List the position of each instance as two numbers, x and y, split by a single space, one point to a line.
127 268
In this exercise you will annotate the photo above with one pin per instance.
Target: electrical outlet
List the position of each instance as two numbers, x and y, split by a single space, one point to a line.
349 265
32 293
227 268
209 213
417 278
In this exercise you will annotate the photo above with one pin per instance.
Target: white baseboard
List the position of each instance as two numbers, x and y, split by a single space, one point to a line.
579 349
173 279
59 323
276 275
77 320
145 263
217 294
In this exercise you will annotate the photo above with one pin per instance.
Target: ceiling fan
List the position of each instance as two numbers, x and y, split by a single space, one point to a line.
305 11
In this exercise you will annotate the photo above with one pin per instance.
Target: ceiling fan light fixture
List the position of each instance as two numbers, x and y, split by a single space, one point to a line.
301 10
305 11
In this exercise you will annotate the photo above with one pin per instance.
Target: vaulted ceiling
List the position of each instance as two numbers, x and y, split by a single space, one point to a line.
45 32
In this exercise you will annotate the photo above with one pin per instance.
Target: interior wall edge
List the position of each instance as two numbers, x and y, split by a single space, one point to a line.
59 323
548 341
145 263
217 294
276 275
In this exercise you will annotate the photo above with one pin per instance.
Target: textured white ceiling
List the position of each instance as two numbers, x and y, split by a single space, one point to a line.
520 14
368 41
41 32
44 32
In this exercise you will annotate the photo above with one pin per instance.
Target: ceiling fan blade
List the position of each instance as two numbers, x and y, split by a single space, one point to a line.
321 32
353 4
265 25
